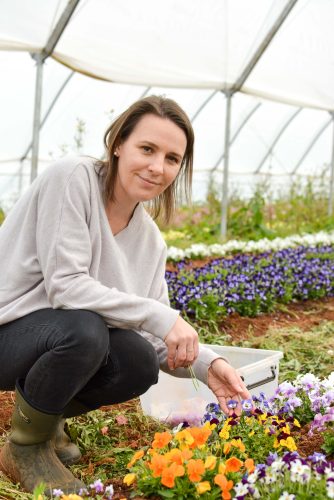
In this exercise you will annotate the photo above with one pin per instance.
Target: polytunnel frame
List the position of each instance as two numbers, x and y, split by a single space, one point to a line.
64 19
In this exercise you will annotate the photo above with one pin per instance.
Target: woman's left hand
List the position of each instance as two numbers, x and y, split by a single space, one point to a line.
227 385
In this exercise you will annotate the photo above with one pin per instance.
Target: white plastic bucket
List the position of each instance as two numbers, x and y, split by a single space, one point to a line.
175 399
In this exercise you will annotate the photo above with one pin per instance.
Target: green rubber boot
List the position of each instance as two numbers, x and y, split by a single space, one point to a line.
29 457
67 452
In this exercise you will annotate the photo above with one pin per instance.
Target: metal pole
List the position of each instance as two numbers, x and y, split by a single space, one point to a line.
37 116
40 58
331 182
223 223
55 99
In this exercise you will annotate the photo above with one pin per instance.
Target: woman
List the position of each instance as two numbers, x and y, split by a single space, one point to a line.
84 314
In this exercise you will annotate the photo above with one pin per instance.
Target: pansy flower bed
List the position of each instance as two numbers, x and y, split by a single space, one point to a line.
253 455
252 283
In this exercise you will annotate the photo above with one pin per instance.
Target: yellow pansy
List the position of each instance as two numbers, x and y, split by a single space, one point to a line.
184 437
288 443
237 443
222 468
129 479
210 462
203 487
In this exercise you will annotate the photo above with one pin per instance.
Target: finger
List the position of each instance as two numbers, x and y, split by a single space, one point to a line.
196 348
223 405
171 357
181 356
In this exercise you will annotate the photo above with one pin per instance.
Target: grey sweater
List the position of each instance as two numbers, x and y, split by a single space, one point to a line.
57 250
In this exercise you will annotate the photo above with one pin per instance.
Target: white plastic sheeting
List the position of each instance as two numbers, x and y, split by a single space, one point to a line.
187 43
183 48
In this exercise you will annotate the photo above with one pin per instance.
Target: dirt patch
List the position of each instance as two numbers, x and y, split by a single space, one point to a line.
304 315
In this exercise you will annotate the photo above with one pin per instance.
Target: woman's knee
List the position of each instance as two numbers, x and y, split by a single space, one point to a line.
86 333
147 367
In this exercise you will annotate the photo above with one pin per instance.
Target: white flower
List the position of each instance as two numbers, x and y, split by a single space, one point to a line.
300 473
330 489
286 496
240 489
278 465
252 478
329 473
264 245
270 476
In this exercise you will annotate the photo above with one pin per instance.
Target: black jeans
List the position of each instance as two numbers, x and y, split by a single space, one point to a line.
64 355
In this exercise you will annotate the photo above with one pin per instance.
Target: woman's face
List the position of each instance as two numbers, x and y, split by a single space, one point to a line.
149 159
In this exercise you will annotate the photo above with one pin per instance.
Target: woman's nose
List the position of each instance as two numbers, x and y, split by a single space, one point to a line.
157 165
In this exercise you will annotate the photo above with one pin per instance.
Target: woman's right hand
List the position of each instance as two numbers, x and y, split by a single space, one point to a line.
182 344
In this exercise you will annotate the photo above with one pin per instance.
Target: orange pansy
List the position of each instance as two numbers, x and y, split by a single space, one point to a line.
161 439
249 464
195 469
157 465
225 485
233 464
170 473
200 435
135 457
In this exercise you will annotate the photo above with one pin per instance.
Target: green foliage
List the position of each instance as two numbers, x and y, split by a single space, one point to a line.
328 445
302 209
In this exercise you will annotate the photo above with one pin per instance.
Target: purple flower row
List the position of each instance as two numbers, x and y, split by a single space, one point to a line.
250 284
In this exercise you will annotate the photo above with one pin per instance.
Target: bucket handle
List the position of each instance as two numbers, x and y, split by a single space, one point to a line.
263 381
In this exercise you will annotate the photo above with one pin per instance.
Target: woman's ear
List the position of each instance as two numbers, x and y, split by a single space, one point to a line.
117 150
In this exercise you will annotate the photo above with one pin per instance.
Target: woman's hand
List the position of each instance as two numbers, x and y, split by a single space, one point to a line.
182 344
227 385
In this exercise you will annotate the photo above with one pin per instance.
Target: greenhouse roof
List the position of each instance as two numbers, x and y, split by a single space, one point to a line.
277 55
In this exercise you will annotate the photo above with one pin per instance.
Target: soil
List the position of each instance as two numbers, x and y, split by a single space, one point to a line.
304 315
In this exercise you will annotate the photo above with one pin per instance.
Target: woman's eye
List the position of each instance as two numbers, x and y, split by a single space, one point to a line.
147 149
173 159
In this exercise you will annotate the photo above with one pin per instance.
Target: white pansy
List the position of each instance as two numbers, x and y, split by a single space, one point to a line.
278 465
240 489
286 496
270 476
330 489
300 473
219 250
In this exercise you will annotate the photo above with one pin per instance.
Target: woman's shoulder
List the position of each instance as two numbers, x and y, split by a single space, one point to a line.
64 169
152 227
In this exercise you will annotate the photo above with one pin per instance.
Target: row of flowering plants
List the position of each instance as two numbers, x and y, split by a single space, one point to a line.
252 283
252 455
200 250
